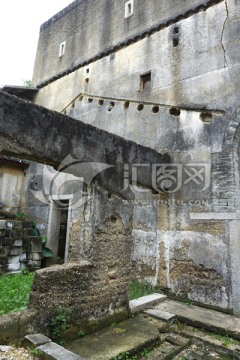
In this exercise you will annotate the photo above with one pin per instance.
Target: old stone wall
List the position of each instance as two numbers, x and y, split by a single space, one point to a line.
193 74
20 248
12 183
173 89
95 290
88 36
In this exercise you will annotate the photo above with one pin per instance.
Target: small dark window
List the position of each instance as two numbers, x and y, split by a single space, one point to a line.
155 109
90 100
176 30
175 42
126 104
100 102
175 112
206 117
145 81
140 107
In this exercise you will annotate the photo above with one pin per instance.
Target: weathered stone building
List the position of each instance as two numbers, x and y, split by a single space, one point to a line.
164 74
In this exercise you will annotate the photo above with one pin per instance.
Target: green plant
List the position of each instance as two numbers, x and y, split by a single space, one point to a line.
27 83
125 356
37 353
21 215
81 333
15 291
25 271
46 252
44 239
145 353
60 323
36 230
138 289
189 302
225 340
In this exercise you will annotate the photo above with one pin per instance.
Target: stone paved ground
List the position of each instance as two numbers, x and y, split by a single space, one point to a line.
178 347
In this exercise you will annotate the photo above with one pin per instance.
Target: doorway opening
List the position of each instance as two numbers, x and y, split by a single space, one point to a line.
58 228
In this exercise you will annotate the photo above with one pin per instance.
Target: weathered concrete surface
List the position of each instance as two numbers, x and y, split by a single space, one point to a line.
52 351
188 108
145 302
13 327
127 336
49 137
35 340
110 29
160 314
204 318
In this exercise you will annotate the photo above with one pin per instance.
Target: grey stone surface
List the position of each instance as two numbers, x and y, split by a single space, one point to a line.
204 318
57 352
36 340
109 29
160 314
111 150
145 302
3 224
124 337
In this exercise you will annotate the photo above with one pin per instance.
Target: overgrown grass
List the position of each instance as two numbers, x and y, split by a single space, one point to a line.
14 292
138 289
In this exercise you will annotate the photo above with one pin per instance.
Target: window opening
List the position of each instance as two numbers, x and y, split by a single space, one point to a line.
145 81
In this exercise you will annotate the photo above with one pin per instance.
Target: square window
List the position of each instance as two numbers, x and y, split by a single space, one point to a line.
62 48
129 8
145 81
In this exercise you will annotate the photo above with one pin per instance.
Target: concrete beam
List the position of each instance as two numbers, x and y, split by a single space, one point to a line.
35 133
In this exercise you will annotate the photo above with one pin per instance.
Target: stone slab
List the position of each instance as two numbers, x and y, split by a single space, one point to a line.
18 243
54 351
3 224
13 259
14 267
145 302
204 318
36 340
15 251
160 314
127 336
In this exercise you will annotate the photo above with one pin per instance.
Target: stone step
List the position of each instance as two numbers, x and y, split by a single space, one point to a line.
53 351
129 336
171 345
203 318
160 314
145 302
35 340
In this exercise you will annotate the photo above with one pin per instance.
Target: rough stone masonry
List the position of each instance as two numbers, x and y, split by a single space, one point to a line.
165 76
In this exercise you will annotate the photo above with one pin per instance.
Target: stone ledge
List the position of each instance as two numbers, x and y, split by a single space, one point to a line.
160 314
35 340
53 351
145 302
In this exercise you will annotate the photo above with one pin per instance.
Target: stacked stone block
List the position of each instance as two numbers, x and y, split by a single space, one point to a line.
19 248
